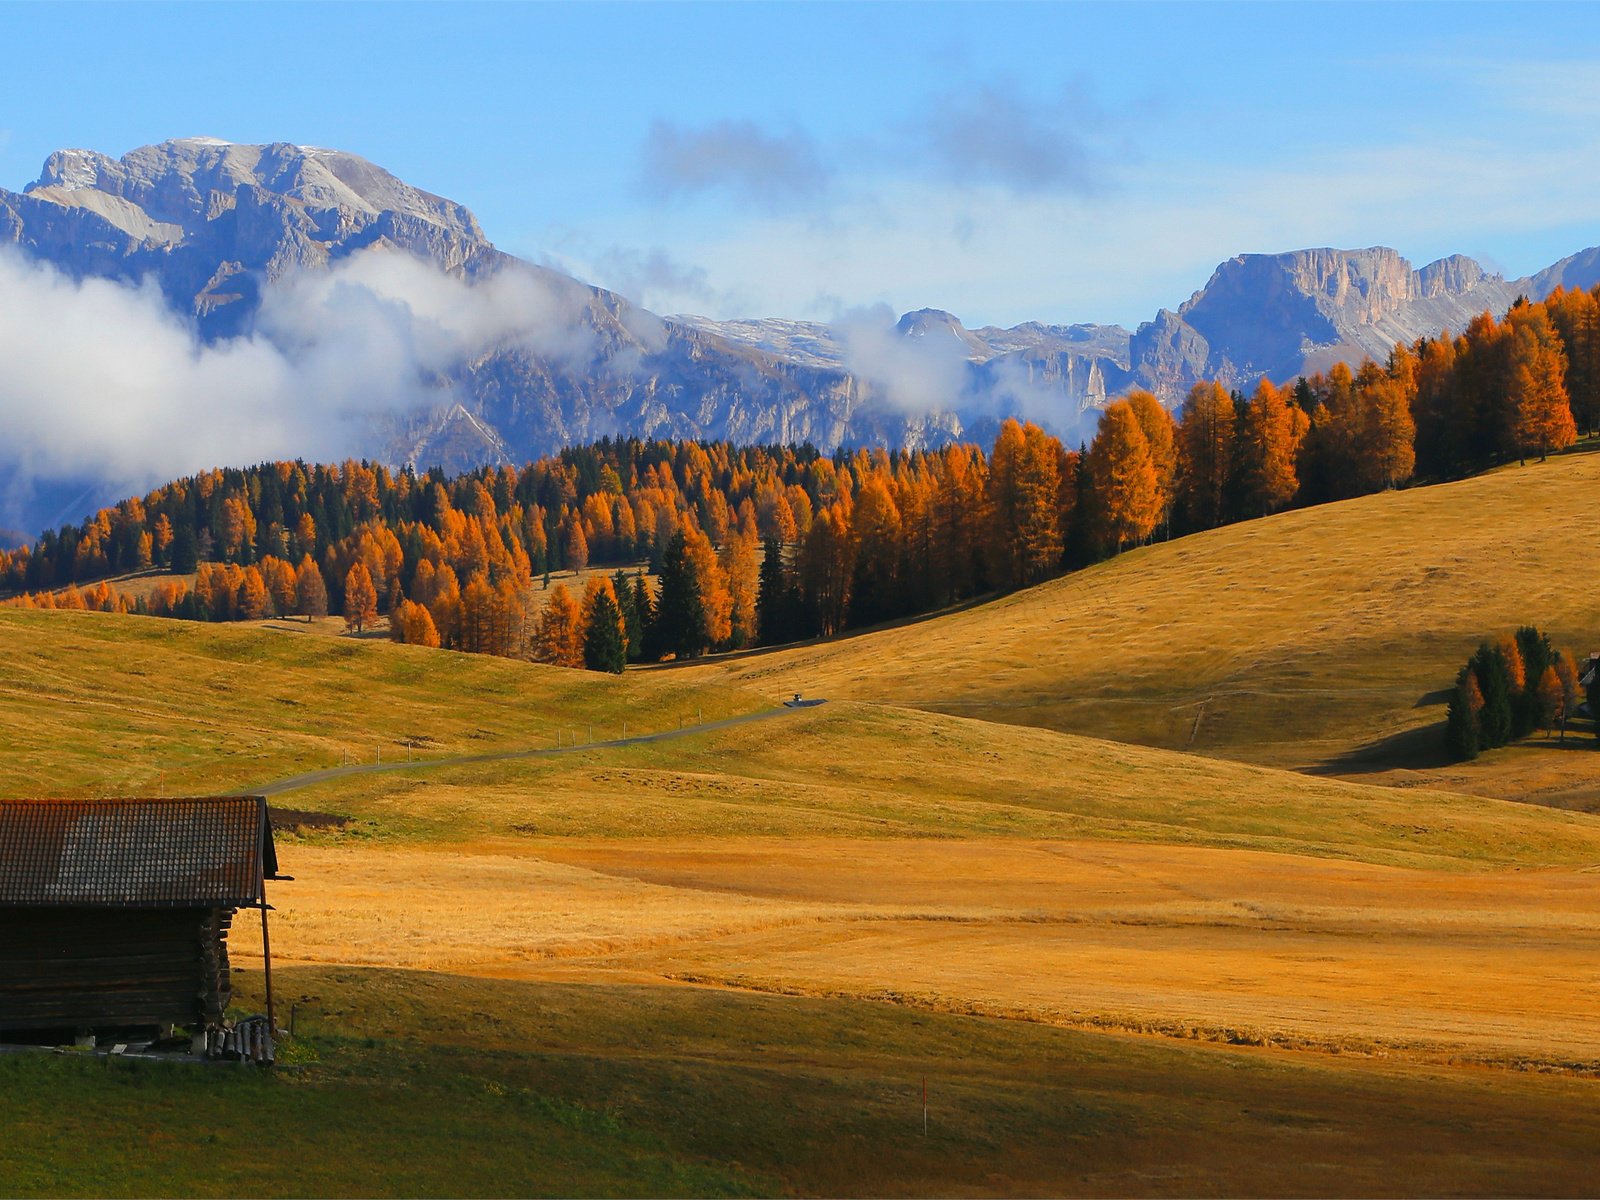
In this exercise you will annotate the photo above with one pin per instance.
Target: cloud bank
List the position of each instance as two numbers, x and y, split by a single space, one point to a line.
993 133
914 374
100 380
739 158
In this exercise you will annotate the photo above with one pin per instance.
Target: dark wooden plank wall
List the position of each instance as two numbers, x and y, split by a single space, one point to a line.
87 968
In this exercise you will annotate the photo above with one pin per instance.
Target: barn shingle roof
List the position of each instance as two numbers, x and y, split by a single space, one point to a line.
206 852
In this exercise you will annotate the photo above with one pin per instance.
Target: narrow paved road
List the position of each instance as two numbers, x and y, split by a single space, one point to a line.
299 781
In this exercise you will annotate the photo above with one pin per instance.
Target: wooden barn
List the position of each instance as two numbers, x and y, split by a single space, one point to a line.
114 914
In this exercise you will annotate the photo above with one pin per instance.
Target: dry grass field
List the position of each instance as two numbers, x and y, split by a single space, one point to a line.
97 704
722 964
861 772
1028 873
1296 640
1215 945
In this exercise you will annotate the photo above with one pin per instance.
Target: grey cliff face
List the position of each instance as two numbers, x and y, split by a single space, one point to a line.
1281 315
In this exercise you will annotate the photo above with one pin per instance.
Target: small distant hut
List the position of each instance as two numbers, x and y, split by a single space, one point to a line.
114 914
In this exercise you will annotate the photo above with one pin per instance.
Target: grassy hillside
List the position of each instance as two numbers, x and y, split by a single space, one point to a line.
1293 640
439 1085
855 771
100 704
94 703
497 955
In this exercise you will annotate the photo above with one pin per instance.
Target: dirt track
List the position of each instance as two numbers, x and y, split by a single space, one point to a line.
279 786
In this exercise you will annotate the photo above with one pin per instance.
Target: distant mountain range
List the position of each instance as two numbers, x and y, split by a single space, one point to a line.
216 224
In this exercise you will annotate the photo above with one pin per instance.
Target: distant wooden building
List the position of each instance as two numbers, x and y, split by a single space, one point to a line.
114 914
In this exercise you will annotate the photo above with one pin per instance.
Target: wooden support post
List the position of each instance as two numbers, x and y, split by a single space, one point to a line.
266 960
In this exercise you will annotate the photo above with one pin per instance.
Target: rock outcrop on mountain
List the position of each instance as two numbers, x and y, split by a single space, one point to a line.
1283 314
213 221
218 225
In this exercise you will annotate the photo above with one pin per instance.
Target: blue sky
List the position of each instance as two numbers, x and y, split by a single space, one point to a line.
1052 162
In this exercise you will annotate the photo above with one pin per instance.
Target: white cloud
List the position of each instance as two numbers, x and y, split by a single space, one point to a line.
912 373
99 380
1553 88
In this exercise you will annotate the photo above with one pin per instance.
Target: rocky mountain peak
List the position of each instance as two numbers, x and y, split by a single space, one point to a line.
931 324
217 224
214 220
188 181
73 169
1454 275
1280 314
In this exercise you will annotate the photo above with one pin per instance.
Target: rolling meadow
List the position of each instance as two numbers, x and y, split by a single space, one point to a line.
1151 875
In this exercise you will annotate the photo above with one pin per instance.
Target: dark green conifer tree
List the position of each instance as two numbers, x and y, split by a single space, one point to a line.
679 627
773 602
632 624
185 550
1460 729
1494 681
605 647
645 605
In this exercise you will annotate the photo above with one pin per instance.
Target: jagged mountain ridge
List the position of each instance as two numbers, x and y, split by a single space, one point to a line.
1280 315
215 223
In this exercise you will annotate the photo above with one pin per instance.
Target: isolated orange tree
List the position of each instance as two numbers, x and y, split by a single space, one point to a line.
360 598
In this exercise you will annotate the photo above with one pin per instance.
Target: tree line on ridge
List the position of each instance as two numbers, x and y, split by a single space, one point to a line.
761 545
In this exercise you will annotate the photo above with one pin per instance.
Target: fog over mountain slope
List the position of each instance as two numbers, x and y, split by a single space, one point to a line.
200 302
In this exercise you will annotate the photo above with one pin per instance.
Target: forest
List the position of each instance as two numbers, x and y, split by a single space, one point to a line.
764 545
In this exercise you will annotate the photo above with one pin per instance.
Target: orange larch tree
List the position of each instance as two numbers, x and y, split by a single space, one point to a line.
558 635
1273 431
1161 435
1540 413
360 599
1124 479
310 592
1206 455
